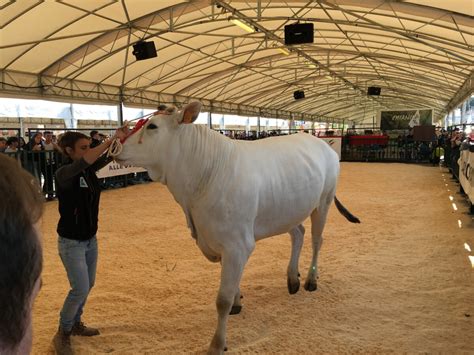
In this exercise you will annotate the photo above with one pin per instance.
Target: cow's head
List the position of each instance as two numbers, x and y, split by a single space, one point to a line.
154 145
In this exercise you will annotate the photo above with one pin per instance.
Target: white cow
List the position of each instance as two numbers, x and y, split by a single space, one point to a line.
235 193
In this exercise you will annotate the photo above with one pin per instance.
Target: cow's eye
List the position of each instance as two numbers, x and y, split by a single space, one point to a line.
152 126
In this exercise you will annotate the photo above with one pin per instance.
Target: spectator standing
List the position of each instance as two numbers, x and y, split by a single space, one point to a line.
437 153
20 255
95 139
48 166
12 145
22 143
456 139
34 157
3 144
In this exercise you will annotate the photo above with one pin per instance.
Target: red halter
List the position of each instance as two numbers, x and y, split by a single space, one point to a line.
141 122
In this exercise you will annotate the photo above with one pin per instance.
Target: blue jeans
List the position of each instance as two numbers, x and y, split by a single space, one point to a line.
80 260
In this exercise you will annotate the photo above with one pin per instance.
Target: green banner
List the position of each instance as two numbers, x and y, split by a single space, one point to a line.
406 119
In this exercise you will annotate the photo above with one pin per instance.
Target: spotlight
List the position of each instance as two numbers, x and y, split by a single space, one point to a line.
242 25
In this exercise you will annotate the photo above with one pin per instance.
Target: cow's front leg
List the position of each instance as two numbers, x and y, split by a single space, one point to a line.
297 238
233 263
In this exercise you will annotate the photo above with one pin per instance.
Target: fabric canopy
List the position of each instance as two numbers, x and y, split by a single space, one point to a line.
420 53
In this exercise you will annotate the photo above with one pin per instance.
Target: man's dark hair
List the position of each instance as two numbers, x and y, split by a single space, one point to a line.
161 107
69 139
20 248
3 139
12 140
93 133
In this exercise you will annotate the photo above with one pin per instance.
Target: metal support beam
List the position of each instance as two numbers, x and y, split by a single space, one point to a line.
296 50
466 89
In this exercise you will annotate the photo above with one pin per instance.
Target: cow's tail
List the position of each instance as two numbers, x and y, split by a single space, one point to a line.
350 217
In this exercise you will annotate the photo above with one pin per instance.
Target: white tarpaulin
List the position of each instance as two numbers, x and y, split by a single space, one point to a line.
418 52
466 173
116 169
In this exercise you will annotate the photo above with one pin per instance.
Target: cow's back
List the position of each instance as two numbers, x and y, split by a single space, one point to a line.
287 175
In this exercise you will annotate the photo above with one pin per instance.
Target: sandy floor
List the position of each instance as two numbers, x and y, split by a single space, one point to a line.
399 282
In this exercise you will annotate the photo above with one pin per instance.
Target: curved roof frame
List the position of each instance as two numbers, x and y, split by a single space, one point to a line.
249 75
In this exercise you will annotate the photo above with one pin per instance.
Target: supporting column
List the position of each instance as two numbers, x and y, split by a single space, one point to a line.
20 119
120 110
258 126
120 114
71 122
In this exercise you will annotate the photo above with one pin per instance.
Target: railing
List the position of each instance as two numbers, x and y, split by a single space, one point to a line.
364 146
43 165
384 148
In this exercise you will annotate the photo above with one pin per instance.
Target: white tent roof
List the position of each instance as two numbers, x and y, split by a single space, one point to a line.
419 52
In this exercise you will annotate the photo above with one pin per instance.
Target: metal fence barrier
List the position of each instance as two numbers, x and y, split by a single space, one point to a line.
389 150
362 146
43 165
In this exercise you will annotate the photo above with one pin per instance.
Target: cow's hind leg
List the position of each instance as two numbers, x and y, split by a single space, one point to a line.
237 306
233 263
318 220
297 238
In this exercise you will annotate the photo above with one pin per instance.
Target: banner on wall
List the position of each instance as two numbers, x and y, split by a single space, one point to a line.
466 173
405 119
335 143
116 169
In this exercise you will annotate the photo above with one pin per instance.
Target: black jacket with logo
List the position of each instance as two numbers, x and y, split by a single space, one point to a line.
78 192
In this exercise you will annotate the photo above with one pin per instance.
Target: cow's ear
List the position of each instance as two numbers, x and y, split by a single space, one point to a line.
190 112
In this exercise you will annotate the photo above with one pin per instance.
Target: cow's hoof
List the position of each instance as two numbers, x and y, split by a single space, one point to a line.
235 310
310 286
225 349
293 287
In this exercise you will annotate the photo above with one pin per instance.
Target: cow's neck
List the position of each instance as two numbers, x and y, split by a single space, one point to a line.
198 156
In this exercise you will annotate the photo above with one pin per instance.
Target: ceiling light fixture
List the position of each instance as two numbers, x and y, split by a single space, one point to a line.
284 51
242 25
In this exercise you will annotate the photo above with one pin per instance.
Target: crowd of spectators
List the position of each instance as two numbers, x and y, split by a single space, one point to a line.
445 144
41 165
39 156
454 143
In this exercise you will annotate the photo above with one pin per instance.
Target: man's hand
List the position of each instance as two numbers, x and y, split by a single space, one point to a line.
122 133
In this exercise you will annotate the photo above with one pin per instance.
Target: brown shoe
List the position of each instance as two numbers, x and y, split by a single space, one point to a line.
81 330
62 342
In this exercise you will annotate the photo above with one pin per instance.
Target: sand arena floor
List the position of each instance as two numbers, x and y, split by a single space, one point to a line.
400 282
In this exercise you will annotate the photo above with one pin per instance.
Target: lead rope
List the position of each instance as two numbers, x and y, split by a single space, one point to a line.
116 147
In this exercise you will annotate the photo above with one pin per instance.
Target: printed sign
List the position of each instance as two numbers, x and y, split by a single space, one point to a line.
335 143
466 173
406 119
116 169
